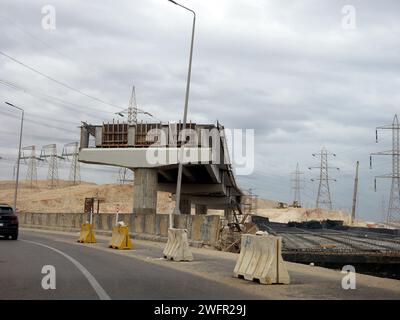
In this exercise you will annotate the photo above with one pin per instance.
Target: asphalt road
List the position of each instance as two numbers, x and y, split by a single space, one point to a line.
85 273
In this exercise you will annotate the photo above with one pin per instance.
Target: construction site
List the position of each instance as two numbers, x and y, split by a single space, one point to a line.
254 173
320 236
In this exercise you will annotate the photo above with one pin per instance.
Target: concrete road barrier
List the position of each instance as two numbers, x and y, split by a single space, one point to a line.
261 260
87 234
120 238
177 247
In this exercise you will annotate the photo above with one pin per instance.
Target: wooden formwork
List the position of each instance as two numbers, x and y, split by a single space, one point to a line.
141 133
115 135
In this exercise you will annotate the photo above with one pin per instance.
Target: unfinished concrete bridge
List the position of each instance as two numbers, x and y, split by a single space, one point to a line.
151 151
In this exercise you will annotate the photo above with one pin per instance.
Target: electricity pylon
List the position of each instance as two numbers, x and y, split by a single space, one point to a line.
49 154
125 176
296 186
71 153
324 199
132 111
394 199
30 159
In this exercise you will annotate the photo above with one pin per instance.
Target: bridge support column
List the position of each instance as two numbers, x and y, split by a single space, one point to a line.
228 214
145 191
201 209
185 205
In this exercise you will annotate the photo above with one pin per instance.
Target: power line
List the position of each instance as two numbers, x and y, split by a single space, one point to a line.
43 96
43 117
59 82
17 26
38 123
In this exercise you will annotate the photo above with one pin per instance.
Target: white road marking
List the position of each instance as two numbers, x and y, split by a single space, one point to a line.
92 280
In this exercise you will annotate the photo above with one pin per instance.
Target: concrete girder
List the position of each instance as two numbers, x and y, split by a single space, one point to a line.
192 189
142 157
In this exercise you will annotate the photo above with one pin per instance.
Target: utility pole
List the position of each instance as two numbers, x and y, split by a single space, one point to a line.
394 199
71 150
296 186
19 151
49 154
185 111
353 210
324 195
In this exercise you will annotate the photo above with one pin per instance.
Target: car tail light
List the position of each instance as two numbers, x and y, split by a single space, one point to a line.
14 220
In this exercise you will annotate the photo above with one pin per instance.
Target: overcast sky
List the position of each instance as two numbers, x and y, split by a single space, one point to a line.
288 69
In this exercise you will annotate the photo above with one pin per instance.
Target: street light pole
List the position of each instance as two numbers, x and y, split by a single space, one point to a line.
181 149
19 154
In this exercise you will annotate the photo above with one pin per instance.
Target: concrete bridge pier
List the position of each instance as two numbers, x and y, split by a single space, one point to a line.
145 191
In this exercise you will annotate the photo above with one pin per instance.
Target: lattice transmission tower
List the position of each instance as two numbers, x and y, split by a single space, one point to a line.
296 186
125 175
324 199
132 109
28 156
393 211
70 153
49 154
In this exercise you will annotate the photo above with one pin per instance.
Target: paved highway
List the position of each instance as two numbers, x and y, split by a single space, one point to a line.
86 273
93 271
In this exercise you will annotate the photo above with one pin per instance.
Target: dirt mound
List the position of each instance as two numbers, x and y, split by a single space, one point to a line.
266 204
303 214
67 198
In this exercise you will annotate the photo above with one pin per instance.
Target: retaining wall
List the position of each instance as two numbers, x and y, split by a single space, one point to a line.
202 229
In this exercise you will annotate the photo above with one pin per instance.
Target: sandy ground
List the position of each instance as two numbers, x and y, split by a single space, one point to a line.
70 199
67 198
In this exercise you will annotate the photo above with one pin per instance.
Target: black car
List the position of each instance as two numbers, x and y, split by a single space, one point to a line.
8 222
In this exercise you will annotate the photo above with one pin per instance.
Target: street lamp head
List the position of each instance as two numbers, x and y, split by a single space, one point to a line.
186 8
10 104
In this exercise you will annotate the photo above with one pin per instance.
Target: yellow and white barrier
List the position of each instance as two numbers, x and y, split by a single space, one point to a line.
177 247
120 238
261 259
87 234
